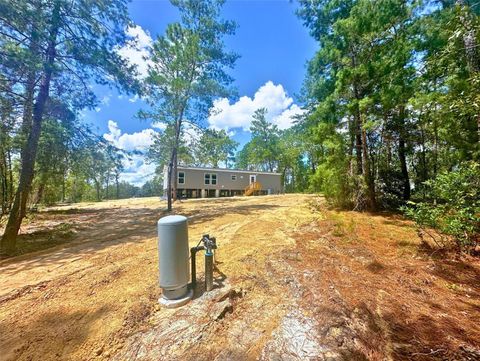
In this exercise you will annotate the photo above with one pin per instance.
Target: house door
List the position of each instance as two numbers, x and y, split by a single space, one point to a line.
253 178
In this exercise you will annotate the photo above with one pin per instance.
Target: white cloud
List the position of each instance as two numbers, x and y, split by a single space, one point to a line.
136 141
139 141
159 125
134 98
287 118
239 115
114 131
136 170
137 48
106 100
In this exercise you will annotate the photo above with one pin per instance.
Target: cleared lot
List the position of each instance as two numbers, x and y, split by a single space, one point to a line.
294 281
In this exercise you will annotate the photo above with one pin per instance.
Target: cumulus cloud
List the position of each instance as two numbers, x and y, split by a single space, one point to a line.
159 125
288 117
137 48
280 106
139 141
136 170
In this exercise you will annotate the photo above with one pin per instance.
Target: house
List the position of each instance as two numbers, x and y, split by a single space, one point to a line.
196 182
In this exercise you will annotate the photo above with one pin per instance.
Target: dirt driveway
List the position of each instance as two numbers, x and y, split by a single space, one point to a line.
295 281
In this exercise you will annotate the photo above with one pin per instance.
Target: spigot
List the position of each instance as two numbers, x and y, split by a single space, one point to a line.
210 243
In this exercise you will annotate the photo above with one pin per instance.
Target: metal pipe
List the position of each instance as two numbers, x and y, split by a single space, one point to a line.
208 271
193 253
210 244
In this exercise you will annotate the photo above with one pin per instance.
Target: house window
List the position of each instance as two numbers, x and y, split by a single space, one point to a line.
210 179
234 177
181 177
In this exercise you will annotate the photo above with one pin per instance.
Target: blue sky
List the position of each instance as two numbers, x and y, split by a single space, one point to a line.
274 48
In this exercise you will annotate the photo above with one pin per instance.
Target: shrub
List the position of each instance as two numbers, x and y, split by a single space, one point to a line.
451 216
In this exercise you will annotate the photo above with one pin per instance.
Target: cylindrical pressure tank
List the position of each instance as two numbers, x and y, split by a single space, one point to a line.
173 253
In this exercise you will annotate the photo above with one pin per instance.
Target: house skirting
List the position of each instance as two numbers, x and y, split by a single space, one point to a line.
210 193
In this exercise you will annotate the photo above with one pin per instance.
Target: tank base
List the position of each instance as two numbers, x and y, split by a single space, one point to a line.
178 302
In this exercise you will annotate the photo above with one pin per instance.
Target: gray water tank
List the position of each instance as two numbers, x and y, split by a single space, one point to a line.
173 253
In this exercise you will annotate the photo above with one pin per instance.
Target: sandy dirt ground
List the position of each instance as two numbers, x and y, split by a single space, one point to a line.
294 281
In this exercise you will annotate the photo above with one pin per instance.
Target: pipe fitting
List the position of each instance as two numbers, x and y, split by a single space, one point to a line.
209 245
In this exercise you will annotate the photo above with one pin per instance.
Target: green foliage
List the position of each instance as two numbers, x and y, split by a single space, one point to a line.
452 207
214 147
291 161
189 62
187 72
262 152
331 175
159 152
399 82
152 188
51 52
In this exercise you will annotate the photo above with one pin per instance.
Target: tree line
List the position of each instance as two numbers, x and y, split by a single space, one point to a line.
50 54
393 95
52 51
392 113
391 102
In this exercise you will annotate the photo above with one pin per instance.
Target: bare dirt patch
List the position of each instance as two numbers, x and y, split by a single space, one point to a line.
294 281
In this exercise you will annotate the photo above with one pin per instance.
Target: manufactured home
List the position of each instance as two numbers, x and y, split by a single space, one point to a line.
195 182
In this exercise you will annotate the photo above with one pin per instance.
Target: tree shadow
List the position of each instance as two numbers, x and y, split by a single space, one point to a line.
454 268
368 335
111 227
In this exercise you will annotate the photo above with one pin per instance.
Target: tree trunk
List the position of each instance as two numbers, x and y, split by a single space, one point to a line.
403 166
169 182
107 185
357 122
358 142
313 164
351 144
63 186
178 128
472 52
4 182
369 180
174 174
97 189
40 191
10 185
29 151
402 153
172 167
117 186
